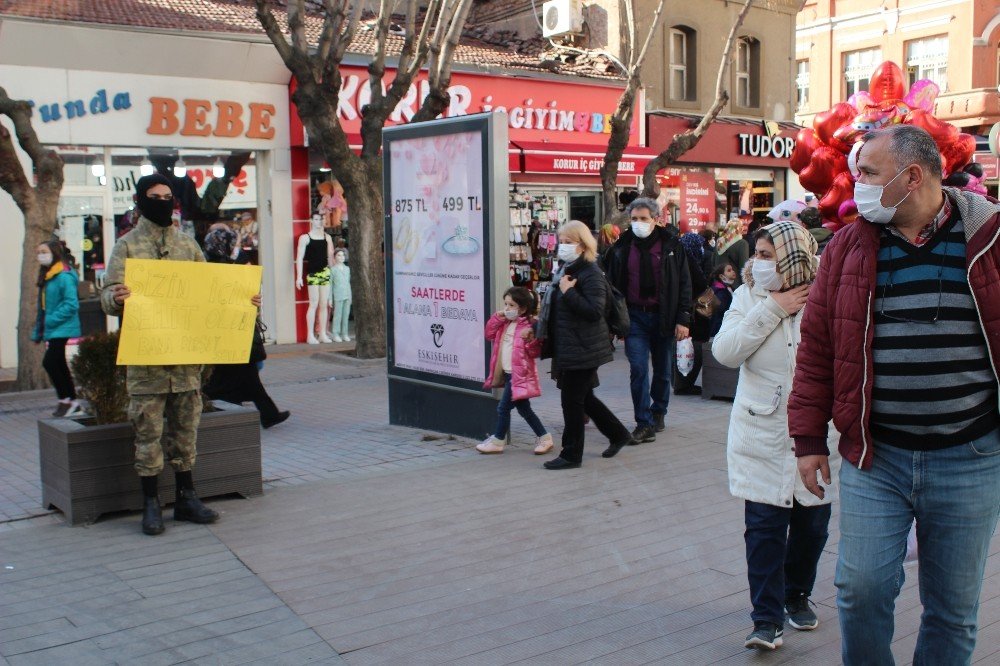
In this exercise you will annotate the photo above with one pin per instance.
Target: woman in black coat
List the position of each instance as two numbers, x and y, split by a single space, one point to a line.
573 320
238 382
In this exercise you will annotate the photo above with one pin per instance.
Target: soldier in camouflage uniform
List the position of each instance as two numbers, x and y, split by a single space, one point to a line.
173 391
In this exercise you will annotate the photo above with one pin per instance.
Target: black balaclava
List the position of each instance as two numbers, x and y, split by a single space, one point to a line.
156 211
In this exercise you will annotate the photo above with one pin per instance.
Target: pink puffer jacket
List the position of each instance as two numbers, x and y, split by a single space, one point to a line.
523 370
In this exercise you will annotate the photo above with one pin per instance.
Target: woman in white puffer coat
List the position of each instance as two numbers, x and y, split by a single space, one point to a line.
786 525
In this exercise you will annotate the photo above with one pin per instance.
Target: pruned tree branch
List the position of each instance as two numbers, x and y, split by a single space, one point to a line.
685 141
297 25
274 33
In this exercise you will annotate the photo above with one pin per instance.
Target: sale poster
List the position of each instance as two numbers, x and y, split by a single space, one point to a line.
438 254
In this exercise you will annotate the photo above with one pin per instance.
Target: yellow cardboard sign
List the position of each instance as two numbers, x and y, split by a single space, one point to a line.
187 313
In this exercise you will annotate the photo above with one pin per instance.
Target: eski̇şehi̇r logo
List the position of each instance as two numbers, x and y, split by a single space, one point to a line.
437 330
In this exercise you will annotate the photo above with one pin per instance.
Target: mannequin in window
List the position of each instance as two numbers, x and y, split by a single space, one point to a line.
312 268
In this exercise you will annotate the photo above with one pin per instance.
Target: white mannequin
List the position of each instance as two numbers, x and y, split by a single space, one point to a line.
319 294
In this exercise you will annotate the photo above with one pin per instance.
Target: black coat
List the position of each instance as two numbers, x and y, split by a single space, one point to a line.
675 294
579 334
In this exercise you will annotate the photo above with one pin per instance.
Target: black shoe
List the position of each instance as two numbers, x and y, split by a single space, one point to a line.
613 450
188 507
658 424
152 516
800 616
688 390
765 636
560 463
280 418
643 434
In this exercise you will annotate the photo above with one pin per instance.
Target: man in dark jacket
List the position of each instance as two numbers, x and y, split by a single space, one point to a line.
900 347
649 266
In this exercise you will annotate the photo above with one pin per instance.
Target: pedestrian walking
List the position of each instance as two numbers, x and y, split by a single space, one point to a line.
513 368
649 266
155 392
786 525
697 250
340 292
237 383
573 324
899 346
58 320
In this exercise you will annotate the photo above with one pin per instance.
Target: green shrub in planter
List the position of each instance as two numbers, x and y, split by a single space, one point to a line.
99 379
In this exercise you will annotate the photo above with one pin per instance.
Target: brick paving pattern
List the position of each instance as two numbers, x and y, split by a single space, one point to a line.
380 544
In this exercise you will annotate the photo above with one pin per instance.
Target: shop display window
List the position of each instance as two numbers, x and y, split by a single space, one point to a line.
327 199
533 234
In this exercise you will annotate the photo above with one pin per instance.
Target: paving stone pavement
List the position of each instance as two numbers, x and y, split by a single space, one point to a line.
379 544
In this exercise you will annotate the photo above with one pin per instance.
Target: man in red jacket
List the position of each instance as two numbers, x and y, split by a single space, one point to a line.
900 345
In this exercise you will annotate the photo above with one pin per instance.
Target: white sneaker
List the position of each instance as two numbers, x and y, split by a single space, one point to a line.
74 409
323 338
311 340
490 445
543 444
337 338
347 338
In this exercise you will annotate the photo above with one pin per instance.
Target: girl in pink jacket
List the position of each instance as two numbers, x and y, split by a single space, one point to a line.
512 367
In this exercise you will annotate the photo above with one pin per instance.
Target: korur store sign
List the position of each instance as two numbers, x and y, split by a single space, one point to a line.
101 109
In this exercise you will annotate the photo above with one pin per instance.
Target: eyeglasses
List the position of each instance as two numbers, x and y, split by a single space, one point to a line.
160 197
907 320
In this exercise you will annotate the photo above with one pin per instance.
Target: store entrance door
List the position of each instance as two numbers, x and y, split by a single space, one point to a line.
586 207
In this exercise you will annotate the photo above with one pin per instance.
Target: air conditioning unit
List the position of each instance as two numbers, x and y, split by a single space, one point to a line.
560 17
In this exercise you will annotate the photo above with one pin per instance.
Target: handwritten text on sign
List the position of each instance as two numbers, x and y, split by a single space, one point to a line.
187 313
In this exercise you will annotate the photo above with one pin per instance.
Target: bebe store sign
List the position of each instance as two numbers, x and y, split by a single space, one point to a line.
101 109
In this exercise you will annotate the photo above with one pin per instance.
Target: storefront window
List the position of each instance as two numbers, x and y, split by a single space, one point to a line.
197 204
928 59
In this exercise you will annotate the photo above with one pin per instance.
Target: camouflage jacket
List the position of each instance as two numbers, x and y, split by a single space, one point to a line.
149 241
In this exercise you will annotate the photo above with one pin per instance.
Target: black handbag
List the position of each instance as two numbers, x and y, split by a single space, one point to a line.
257 351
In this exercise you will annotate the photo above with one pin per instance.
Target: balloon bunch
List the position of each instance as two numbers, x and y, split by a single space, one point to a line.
820 155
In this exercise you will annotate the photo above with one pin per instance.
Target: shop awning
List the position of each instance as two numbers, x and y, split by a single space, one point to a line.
573 159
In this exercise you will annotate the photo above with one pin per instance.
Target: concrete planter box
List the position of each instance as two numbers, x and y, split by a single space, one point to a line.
717 381
87 470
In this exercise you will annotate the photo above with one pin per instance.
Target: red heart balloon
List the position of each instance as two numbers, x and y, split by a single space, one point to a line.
840 191
828 122
887 82
824 166
942 132
958 153
805 143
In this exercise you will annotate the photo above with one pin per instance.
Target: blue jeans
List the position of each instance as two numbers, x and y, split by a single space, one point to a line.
954 494
523 408
783 548
643 341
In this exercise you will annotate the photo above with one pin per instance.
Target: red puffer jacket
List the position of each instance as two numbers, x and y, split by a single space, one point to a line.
834 364
524 371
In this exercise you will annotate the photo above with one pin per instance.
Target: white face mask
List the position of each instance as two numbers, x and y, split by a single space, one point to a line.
642 229
869 201
568 252
45 259
511 314
765 273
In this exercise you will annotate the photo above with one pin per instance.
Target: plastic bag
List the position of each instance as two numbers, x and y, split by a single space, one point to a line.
685 356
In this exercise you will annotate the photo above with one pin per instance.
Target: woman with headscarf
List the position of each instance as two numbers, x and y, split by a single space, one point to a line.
732 248
239 382
786 525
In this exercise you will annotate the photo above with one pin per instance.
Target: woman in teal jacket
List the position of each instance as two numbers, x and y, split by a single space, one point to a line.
58 321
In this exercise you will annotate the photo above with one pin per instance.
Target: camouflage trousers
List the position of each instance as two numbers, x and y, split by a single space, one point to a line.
175 440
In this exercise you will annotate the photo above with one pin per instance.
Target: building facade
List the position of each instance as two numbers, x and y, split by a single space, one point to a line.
955 43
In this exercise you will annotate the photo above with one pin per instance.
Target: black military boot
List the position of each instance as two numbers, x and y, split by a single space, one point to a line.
152 515
187 506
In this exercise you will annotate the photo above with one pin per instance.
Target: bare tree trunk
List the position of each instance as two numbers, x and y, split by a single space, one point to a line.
39 219
38 204
368 257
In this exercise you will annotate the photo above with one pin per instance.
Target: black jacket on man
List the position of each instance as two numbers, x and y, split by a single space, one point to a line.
577 326
675 289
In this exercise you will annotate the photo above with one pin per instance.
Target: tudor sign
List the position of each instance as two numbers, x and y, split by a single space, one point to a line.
761 145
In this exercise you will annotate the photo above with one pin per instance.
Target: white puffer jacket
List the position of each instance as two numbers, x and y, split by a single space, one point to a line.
758 338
